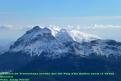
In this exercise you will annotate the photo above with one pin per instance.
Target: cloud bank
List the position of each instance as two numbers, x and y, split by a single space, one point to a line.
77 27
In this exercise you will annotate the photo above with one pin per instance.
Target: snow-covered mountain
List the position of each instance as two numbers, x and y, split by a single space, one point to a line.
60 50
59 42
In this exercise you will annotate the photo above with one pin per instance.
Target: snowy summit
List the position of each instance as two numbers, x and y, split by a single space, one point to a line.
53 42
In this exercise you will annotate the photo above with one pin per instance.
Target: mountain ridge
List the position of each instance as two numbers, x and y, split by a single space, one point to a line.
37 51
38 40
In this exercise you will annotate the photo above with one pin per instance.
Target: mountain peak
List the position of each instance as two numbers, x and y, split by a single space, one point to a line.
53 42
36 28
46 31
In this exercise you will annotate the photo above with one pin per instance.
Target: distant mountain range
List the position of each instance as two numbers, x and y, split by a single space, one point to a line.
60 50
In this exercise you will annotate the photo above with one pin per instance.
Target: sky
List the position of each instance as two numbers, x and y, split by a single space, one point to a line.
101 17
30 12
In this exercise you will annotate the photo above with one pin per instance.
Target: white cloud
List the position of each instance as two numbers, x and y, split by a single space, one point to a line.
77 27
6 27
102 26
13 28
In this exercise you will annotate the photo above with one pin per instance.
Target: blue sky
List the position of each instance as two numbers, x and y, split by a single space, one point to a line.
27 12
86 13
50 8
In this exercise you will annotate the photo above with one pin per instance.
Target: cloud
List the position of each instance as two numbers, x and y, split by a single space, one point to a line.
6 27
68 26
92 26
102 26
13 28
